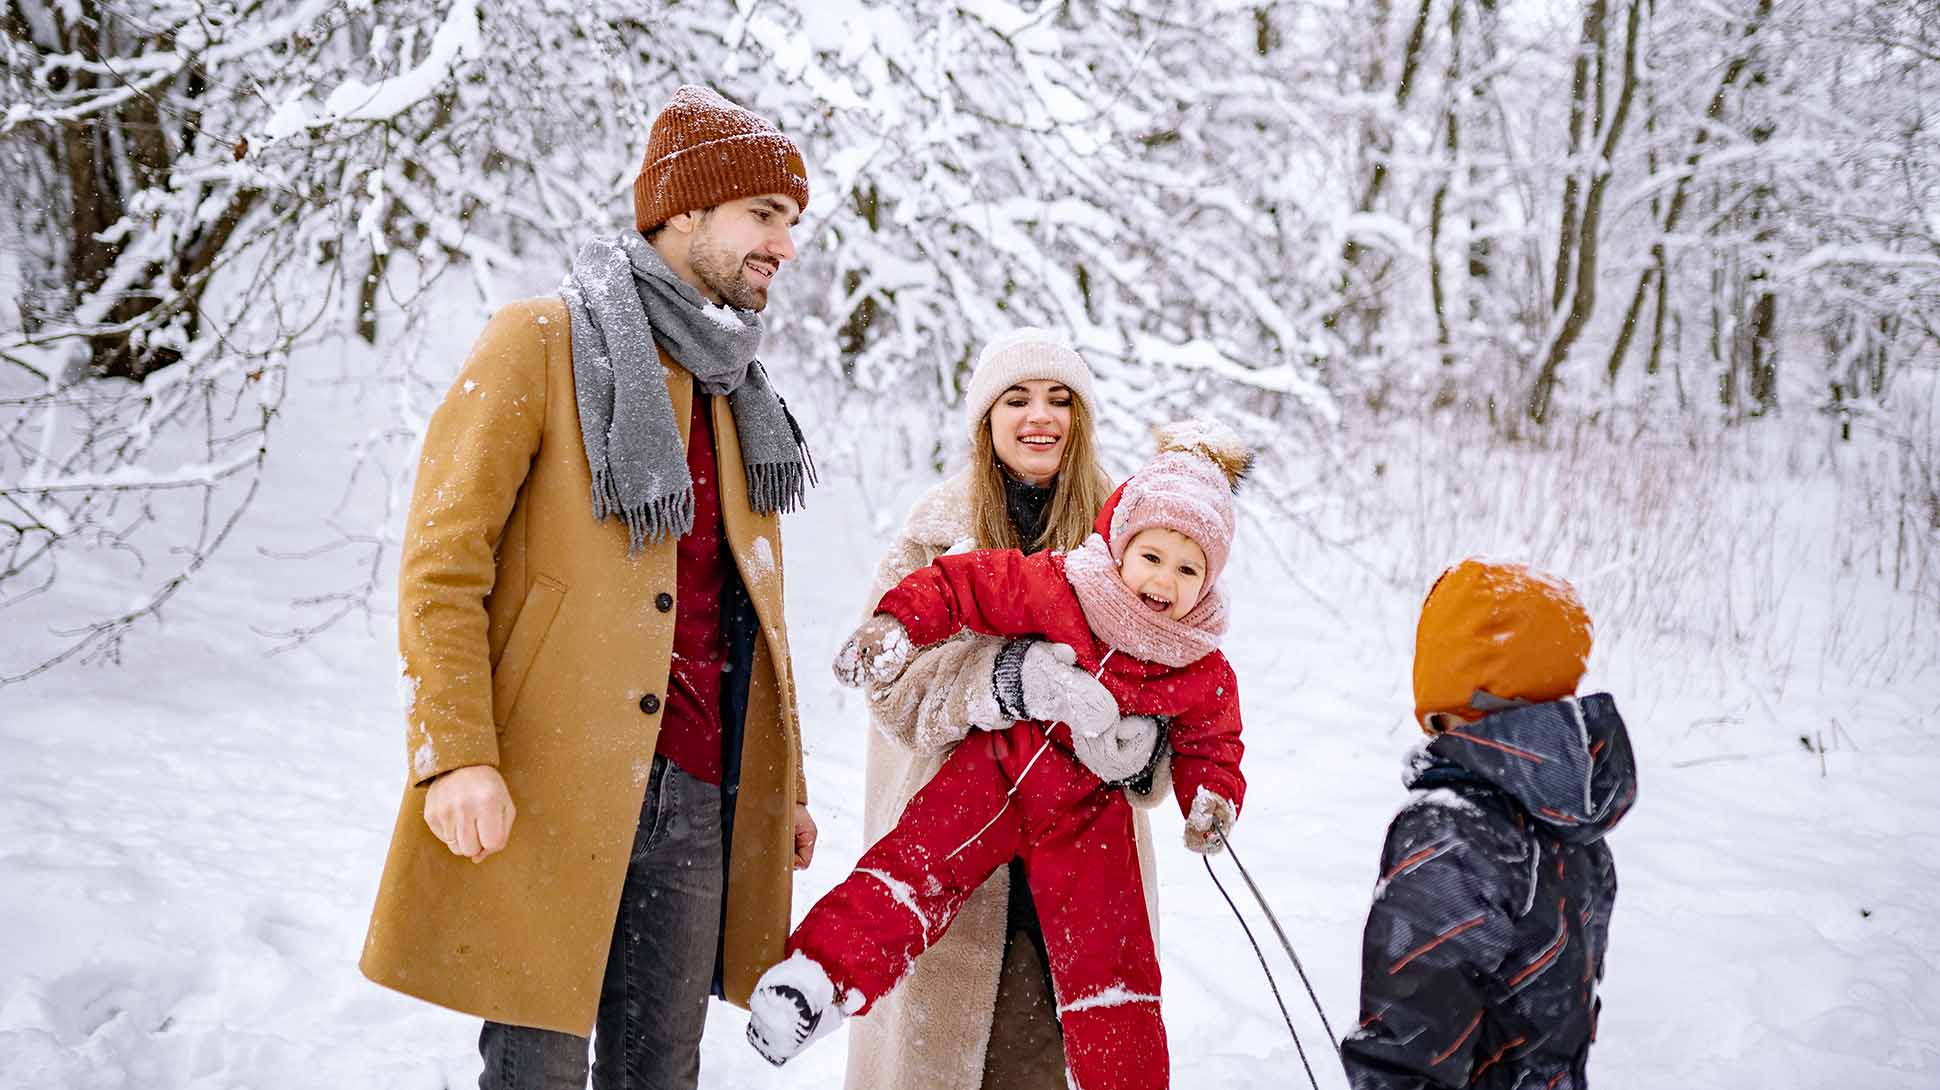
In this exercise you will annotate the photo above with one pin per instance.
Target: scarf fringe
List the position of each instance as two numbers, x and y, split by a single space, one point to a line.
649 522
779 487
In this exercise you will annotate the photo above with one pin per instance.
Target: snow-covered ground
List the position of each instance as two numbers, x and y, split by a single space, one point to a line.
189 840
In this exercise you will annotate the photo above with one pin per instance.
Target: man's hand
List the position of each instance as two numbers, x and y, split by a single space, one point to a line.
804 837
471 811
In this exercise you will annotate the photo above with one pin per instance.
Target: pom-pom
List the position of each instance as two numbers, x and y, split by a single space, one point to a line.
1211 440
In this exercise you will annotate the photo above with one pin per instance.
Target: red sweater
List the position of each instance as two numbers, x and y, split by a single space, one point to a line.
690 731
1002 592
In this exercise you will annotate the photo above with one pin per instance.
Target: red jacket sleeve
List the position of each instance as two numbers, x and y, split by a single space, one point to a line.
993 591
1206 747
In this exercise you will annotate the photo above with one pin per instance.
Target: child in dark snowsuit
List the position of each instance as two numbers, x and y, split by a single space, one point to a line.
1139 605
1490 919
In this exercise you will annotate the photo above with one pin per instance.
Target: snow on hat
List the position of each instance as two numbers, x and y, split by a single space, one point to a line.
1188 487
704 150
1501 629
1020 356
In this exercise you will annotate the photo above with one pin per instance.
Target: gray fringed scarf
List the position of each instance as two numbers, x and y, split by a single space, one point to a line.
623 298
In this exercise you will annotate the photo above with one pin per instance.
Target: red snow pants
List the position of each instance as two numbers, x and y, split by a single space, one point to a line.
1074 836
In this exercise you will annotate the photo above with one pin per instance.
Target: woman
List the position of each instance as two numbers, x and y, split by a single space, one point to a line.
977 1010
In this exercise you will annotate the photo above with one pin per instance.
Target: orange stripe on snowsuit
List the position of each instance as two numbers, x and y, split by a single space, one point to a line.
1490 1062
1549 955
1432 943
1492 744
1551 1084
1459 1041
1421 856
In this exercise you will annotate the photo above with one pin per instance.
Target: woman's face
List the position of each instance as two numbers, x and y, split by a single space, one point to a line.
1028 426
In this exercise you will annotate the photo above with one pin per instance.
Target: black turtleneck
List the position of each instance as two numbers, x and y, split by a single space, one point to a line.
1029 507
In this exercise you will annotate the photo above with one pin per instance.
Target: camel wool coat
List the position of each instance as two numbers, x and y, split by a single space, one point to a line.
932 1031
532 641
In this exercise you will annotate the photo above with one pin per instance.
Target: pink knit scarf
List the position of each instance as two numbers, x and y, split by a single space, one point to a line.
1117 616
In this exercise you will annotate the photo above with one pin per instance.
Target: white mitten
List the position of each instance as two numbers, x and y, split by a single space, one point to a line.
1121 751
1208 822
877 651
792 1006
1040 680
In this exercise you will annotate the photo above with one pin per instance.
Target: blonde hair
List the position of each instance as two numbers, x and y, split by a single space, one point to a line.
1077 493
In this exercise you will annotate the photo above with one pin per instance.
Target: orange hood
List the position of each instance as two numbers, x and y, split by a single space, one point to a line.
1513 633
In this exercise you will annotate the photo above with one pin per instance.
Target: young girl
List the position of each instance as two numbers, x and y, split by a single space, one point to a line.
1138 605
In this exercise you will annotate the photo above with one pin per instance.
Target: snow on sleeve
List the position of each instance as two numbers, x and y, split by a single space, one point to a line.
761 561
407 687
424 760
901 893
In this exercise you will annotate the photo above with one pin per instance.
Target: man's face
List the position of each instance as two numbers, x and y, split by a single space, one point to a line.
739 245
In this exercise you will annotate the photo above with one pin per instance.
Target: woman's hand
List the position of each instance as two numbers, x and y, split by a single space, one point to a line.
1042 681
876 653
1121 751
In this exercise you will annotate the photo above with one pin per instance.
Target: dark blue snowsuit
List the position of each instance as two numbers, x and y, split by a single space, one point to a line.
1486 938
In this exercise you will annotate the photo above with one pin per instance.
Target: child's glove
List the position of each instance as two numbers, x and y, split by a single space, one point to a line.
876 652
1210 819
1121 751
793 1005
1042 681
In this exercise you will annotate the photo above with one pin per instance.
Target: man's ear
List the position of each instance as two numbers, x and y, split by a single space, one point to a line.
684 222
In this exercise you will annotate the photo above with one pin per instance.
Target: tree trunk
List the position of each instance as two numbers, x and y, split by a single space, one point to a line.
1582 290
1680 190
1451 144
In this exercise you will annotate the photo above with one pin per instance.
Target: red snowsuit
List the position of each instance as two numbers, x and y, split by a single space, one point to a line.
1073 834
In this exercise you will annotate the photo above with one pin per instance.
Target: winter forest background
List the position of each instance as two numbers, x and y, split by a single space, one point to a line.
1643 291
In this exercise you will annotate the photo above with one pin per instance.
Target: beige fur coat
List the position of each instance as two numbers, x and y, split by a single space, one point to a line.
932 1031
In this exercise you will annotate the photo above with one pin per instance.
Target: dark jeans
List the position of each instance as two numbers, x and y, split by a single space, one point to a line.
653 1002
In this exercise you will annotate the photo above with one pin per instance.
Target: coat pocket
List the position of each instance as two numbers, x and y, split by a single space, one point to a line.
522 646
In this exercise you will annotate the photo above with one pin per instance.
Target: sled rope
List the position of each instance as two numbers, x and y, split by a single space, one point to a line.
1285 944
1027 771
1282 935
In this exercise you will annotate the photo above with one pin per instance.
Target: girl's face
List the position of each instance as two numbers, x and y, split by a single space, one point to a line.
1028 425
1166 569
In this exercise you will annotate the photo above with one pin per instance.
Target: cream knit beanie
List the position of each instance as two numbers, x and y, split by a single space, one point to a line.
1020 356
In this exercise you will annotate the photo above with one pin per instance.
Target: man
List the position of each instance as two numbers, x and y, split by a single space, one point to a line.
606 787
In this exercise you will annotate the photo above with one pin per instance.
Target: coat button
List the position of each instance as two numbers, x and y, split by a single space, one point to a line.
663 601
650 704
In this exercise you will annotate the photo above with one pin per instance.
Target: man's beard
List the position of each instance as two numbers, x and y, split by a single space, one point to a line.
725 274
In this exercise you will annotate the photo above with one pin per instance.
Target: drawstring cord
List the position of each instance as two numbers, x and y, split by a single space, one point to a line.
1284 943
1109 652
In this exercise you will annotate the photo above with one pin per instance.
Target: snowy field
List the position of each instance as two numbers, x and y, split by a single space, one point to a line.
190 839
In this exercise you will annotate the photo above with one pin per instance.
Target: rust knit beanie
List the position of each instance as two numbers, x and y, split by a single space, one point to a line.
703 150
1503 629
